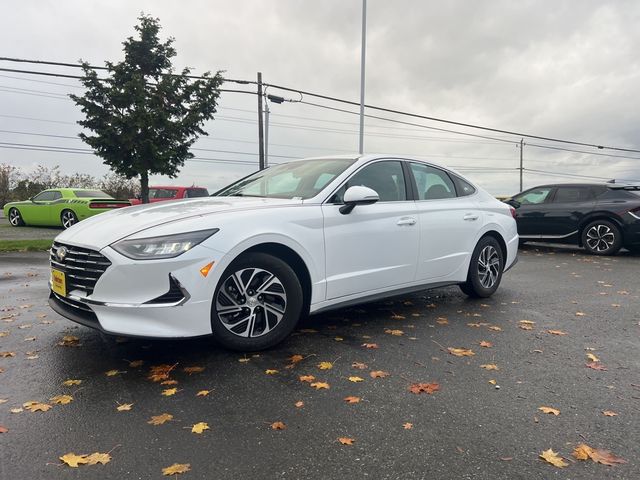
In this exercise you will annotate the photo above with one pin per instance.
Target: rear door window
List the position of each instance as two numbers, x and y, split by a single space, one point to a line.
432 183
572 195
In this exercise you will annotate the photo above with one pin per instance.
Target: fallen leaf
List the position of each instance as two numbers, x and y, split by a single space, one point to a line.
397 333
489 366
159 373
552 457
244 360
550 410
3 429
370 345
592 357
70 383
338 339
407 426
442 321
460 352
16 410
352 399
325 365
428 388
69 341
299 404
112 373
492 382
486 344
346 440
3 400
62 399
176 469
124 407
160 419
378 374
296 358
580 314
605 457
320 385
306 378
36 406
270 371
136 363
199 427
356 379
278 426
203 393
97 457
191 370
495 328
359 365
556 332
7 354
169 382
596 366
169 391
609 413
74 460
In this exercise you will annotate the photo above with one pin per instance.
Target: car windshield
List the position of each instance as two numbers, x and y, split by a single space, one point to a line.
302 179
90 194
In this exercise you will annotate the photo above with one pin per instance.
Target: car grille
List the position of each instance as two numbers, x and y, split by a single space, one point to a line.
82 266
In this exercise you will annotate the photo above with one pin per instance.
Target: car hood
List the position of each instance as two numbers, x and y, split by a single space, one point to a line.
101 230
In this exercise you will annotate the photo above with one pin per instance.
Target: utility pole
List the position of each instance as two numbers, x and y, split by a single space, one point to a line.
260 125
266 133
521 164
362 58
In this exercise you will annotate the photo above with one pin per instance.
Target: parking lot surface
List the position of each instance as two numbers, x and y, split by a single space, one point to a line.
481 421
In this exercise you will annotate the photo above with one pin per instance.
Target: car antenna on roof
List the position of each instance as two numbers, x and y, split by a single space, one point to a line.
613 180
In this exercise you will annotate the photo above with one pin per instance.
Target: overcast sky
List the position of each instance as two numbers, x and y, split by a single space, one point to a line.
562 69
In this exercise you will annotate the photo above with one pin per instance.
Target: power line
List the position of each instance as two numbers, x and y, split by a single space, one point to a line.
41 81
573 175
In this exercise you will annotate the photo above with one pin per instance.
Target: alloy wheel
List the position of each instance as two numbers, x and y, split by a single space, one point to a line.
68 219
14 217
600 238
251 302
488 266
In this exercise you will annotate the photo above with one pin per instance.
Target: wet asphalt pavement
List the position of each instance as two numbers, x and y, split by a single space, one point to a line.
469 429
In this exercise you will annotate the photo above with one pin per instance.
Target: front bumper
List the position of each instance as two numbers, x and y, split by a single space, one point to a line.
158 298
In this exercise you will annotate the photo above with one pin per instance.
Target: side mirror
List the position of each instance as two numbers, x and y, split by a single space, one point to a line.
358 195
513 203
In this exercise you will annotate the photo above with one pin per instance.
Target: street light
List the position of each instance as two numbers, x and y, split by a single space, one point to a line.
363 51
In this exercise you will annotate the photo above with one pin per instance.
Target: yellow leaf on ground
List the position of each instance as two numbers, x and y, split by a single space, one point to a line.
74 460
278 426
489 366
176 469
461 352
320 385
486 344
492 382
136 363
552 457
407 426
160 419
609 413
442 321
97 457
556 332
169 391
370 345
592 357
7 354
346 440
62 399
325 365
550 410
580 314
378 374
296 358
428 388
270 371
299 404
36 406
191 370
352 399
495 328
70 383
169 382
112 373
203 393
159 373
605 457
244 360
124 407
199 427
359 365
397 333
306 378
356 379
581 452
69 341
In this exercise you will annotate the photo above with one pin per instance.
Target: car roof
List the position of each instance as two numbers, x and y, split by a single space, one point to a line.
174 186
585 184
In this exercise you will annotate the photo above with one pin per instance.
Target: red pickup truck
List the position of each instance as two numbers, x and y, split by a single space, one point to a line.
161 194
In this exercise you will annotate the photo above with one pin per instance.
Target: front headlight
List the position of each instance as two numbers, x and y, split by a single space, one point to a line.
168 246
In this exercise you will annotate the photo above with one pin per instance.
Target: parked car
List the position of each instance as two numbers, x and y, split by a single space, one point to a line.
61 207
301 237
161 194
600 217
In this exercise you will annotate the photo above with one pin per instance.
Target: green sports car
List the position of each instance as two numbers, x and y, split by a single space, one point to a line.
61 206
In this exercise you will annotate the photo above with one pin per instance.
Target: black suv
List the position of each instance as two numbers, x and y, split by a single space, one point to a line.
600 217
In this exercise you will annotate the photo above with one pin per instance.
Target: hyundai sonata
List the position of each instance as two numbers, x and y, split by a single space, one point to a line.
302 237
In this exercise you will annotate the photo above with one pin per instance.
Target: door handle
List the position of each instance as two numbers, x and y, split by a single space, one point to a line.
471 217
406 221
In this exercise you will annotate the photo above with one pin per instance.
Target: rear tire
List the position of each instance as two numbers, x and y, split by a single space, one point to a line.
257 303
602 237
68 218
485 269
15 218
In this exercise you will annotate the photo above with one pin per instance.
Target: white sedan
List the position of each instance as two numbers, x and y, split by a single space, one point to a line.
301 237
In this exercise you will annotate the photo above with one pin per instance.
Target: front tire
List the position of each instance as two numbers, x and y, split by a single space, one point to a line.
68 218
602 237
15 218
485 269
257 303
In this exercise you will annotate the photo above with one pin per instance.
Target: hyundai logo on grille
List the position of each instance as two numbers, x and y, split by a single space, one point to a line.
61 253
